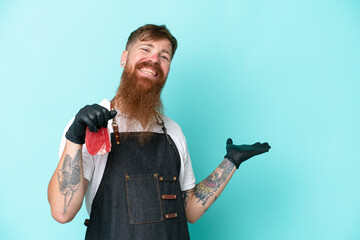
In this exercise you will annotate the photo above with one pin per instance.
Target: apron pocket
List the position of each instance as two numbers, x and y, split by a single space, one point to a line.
143 198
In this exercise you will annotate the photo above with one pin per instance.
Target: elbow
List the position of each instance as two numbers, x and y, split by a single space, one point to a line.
191 219
60 217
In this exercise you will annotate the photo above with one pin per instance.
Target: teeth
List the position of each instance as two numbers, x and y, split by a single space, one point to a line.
148 71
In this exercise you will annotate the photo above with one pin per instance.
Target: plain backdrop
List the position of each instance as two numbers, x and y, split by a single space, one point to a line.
286 72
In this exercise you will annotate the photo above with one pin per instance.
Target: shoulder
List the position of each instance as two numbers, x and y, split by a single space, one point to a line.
105 103
176 133
172 127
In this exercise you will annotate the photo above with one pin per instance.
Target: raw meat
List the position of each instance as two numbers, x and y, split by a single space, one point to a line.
98 143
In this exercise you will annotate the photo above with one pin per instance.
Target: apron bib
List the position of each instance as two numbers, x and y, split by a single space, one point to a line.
139 196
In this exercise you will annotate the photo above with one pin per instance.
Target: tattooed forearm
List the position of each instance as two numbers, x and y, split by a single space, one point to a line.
69 177
209 206
186 196
206 189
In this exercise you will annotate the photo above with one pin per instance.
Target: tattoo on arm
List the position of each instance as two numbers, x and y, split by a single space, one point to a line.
186 196
205 189
214 201
69 177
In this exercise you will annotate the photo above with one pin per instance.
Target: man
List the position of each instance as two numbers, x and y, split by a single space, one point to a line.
145 187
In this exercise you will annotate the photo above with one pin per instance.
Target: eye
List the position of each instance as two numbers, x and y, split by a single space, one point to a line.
145 49
165 57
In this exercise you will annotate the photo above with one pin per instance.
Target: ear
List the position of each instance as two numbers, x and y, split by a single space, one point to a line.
124 58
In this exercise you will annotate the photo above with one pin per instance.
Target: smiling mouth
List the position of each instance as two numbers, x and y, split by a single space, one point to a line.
148 71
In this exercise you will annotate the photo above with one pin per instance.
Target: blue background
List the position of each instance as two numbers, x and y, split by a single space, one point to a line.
286 72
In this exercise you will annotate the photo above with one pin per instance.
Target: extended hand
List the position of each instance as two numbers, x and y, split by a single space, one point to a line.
92 116
240 153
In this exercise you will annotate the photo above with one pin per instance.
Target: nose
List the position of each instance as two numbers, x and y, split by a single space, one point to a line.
154 58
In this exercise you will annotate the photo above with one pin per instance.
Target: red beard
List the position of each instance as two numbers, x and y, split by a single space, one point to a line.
139 97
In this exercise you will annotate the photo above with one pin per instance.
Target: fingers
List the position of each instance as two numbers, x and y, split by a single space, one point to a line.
229 141
90 123
101 116
267 146
112 114
257 147
261 145
107 115
95 116
264 147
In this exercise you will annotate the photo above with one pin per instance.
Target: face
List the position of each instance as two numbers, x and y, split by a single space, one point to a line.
149 60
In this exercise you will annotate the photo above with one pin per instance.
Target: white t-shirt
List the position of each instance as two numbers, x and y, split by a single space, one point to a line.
93 166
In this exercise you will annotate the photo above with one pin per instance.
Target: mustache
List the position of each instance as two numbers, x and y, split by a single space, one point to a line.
155 66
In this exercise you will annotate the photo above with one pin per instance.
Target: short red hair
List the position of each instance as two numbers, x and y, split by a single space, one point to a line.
152 32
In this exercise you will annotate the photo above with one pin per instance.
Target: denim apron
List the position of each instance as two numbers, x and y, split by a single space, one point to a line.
139 196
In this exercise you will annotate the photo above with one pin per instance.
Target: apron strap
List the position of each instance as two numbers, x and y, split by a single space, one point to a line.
162 124
114 124
159 120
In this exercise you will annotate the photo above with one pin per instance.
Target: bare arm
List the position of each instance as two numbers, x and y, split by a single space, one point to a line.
197 200
67 186
200 198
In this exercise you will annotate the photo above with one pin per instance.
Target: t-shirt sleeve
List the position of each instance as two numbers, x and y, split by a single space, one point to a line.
187 177
88 160
188 181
